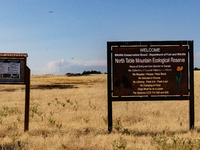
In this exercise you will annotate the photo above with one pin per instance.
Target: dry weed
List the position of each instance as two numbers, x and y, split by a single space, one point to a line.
71 113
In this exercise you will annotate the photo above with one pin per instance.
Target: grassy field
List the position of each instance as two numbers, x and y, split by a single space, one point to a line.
71 113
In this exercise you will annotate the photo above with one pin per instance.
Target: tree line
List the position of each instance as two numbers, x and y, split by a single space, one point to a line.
84 73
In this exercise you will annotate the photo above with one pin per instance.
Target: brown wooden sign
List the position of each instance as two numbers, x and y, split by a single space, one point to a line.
150 71
12 68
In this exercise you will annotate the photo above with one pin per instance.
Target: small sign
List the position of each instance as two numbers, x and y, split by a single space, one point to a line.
12 68
150 71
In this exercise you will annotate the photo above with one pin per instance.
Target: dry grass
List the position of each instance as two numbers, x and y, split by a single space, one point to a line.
70 113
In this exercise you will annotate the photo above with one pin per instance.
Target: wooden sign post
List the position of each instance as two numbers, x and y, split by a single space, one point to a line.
150 71
13 70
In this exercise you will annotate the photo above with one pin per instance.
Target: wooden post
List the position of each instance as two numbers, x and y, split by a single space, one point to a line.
191 103
27 98
109 88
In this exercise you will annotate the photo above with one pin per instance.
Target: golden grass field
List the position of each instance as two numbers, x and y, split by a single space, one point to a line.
71 113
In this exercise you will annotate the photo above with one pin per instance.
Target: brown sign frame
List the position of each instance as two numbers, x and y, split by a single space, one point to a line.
24 78
111 73
21 57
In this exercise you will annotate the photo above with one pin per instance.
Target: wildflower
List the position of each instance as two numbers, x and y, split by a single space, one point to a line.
179 68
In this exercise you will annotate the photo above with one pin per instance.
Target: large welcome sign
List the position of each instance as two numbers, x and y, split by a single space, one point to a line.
150 71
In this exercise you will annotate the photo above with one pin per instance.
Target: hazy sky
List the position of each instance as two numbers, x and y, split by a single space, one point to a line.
73 38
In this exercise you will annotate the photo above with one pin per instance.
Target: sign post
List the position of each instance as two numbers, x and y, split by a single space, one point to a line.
150 71
13 70
27 100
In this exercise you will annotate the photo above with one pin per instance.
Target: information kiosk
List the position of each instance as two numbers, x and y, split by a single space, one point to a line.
13 70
